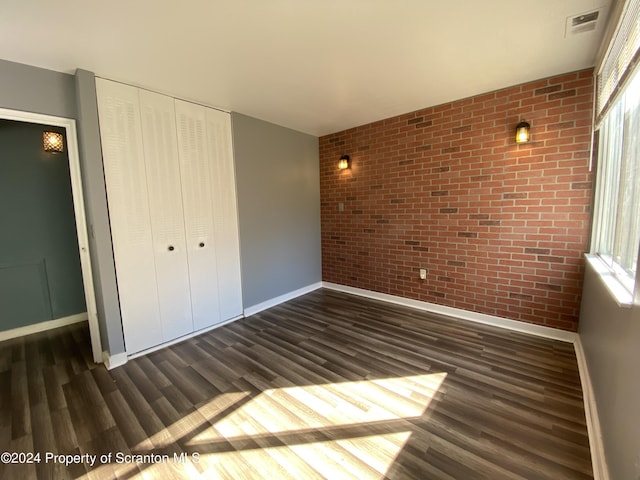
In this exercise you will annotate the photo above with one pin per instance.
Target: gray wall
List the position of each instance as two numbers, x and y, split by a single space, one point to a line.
278 179
278 192
33 89
610 337
95 200
40 274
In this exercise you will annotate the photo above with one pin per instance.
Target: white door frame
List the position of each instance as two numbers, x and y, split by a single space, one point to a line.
69 125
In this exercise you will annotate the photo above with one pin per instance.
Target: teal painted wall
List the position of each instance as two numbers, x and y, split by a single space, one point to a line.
40 275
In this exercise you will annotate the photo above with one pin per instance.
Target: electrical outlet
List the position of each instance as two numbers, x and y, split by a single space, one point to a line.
423 274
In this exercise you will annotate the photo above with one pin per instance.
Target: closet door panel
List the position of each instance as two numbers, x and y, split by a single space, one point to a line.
125 177
198 216
225 211
167 221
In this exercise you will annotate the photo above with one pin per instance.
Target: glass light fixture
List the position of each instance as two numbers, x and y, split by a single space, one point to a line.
523 132
53 142
344 162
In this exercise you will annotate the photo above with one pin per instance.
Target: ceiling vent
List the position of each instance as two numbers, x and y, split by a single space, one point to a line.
584 22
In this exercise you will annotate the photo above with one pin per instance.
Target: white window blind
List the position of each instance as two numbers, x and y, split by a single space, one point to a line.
616 222
622 53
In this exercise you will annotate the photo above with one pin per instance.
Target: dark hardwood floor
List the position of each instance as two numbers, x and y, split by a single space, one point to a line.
325 386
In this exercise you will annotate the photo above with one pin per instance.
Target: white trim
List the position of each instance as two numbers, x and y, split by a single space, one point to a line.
78 205
620 294
598 459
110 363
184 337
281 299
43 326
113 361
538 330
119 359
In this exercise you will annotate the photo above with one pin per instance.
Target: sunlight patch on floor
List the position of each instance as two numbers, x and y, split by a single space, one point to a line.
344 413
334 430
291 409
192 422
354 458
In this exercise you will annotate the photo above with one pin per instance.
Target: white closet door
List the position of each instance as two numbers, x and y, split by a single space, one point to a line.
198 216
165 206
126 181
225 210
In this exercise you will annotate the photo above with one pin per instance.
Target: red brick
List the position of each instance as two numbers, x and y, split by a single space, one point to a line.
446 188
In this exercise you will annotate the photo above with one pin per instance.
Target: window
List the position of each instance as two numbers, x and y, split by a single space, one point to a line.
616 228
617 202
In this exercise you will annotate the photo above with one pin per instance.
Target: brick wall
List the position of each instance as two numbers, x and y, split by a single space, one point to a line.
501 228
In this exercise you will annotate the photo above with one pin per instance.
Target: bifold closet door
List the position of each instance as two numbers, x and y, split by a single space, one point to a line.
198 213
165 207
126 180
225 212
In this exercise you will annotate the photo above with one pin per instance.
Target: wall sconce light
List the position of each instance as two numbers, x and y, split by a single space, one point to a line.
345 162
53 142
523 132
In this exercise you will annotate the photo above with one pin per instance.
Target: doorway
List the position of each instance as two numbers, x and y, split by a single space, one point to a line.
46 274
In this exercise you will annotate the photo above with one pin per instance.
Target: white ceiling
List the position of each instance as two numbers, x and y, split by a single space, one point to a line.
315 66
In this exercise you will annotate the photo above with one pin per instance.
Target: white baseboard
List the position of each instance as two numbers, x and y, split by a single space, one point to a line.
119 359
43 326
113 361
184 337
281 299
598 460
538 330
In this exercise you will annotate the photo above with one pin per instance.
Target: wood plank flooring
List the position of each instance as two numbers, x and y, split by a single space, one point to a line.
328 385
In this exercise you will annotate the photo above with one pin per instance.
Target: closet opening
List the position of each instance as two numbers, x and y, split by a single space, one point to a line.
45 270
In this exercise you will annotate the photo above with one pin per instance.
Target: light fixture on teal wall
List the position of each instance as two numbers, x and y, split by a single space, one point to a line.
344 162
53 142
523 132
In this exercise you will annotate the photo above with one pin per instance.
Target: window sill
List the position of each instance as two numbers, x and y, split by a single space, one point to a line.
621 295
